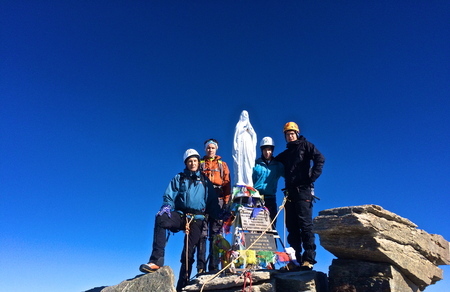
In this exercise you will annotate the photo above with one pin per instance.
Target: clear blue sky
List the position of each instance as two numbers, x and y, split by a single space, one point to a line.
99 100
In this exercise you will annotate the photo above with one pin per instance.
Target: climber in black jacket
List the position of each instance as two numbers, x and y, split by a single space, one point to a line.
299 178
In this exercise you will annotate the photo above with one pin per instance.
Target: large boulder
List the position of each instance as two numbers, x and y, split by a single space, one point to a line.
161 280
371 233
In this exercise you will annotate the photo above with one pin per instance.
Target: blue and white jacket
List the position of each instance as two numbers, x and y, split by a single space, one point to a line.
192 192
265 176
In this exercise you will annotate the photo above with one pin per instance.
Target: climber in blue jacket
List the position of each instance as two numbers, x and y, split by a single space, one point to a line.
266 174
188 198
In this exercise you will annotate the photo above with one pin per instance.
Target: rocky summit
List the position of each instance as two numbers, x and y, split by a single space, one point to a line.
255 281
376 250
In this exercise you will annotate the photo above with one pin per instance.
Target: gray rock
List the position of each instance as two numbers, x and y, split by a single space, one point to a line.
264 287
263 281
209 282
369 276
307 281
96 289
371 233
161 280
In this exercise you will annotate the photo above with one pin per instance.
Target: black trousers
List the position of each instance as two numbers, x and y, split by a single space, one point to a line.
201 248
210 227
271 204
176 223
299 223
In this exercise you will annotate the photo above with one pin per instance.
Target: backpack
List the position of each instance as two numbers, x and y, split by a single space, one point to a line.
219 161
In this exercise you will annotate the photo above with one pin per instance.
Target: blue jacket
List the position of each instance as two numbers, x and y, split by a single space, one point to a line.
266 175
192 192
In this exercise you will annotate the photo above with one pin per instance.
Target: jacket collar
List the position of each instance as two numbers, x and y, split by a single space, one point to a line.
296 142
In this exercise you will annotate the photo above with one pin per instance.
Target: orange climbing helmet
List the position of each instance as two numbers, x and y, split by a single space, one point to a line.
291 126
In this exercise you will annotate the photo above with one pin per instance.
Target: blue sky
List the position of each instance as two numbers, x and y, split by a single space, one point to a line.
99 100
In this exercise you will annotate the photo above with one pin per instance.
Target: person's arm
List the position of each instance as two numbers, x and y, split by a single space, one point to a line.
281 169
226 181
171 191
280 157
168 197
318 162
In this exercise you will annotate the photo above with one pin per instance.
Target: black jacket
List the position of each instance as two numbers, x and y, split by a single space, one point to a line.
297 163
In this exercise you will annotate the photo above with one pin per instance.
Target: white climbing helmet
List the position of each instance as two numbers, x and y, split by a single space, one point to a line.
266 141
189 153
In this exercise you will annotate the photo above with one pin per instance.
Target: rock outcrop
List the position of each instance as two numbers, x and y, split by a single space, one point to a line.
162 280
373 235
369 276
263 281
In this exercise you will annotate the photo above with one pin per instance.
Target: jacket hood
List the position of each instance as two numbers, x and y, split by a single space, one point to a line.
296 142
262 158
189 173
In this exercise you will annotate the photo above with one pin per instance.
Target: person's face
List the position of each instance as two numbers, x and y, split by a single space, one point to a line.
192 164
290 136
211 150
267 153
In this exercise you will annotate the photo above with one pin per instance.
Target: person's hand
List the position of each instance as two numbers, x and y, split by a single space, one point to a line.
164 209
224 215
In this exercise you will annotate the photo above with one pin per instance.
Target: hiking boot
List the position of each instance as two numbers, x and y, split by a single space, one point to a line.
291 266
200 271
148 268
213 269
306 266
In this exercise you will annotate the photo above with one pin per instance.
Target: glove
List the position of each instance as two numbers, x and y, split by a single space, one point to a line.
165 209
224 215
